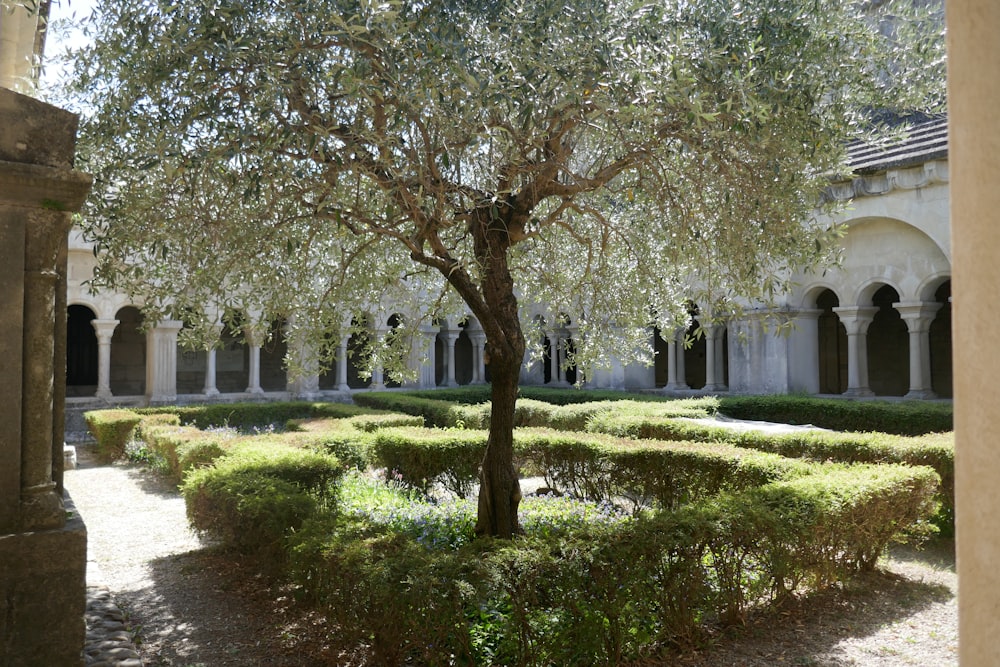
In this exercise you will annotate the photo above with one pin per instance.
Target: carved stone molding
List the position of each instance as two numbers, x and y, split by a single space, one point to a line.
910 178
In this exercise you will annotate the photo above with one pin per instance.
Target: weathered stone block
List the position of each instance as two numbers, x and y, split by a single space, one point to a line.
33 132
43 596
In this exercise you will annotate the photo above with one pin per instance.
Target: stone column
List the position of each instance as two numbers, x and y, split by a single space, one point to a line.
856 320
342 362
720 359
42 552
556 340
671 365
713 358
679 337
210 373
104 329
161 361
210 389
428 358
305 385
450 336
378 371
918 317
253 382
478 338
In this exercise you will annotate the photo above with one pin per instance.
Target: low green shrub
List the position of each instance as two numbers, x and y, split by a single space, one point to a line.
112 429
424 458
252 498
896 417
184 448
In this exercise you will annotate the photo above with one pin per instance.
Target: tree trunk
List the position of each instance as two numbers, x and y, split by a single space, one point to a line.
499 491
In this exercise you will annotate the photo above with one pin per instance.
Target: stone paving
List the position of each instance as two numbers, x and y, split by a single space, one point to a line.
109 642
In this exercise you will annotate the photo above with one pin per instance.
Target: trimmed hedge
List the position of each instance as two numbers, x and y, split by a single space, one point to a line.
253 415
589 466
253 497
112 429
899 418
934 450
529 412
476 394
603 596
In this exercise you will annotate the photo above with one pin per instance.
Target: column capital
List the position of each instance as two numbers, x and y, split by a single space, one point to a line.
104 329
856 318
918 315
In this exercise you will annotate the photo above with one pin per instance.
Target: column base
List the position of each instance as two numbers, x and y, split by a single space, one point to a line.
210 391
677 386
104 395
858 392
920 394
343 387
254 390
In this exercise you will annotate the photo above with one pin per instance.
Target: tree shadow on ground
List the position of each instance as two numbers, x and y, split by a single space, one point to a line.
214 608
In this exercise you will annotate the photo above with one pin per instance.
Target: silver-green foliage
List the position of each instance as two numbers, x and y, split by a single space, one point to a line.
323 156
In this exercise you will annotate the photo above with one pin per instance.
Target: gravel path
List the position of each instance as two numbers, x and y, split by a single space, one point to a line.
190 606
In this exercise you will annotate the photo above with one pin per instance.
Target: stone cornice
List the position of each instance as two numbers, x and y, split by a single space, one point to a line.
910 178
36 186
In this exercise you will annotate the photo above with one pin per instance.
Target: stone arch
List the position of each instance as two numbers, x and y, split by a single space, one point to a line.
81 351
889 251
128 354
888 346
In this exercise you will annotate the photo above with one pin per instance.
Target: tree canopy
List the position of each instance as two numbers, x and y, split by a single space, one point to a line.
607 158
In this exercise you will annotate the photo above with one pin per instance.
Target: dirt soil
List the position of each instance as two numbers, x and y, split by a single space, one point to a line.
189 605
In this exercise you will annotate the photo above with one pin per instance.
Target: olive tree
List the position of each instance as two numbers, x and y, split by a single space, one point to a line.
609 158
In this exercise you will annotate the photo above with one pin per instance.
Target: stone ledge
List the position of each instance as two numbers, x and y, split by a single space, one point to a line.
40 187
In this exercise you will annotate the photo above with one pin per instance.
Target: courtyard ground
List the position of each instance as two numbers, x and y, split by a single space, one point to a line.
189 605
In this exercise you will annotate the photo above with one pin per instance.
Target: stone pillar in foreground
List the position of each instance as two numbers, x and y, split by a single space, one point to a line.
42 544
974 140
